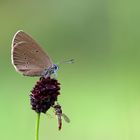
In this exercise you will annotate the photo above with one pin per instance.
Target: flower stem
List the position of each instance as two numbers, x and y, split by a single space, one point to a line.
37 126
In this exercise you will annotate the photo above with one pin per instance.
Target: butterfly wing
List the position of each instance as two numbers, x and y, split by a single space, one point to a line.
28 57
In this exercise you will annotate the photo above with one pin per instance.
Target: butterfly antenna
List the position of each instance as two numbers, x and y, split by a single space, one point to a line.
69 61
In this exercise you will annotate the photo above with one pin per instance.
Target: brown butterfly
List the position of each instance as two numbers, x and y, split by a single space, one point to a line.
29 58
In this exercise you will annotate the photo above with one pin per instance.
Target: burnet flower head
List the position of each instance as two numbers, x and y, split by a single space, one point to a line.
29 59
44 94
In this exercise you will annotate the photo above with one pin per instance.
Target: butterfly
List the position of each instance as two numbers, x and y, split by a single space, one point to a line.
29 58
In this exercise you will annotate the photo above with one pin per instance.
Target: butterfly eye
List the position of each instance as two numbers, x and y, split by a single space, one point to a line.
55 67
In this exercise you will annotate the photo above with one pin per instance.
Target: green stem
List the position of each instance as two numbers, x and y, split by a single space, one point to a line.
37 126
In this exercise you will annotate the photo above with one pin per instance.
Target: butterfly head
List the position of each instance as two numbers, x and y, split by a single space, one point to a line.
52 70
55 67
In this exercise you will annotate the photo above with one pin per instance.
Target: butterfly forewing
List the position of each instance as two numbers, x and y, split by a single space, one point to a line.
27 56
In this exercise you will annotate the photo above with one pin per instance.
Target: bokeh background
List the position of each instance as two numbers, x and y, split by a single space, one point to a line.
100 92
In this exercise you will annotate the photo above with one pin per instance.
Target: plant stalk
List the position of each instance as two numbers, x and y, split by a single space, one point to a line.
37 126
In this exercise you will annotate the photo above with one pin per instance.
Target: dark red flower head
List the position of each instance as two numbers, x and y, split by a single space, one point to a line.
44 94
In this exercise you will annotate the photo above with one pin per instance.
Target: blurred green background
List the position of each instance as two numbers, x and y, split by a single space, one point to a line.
100 92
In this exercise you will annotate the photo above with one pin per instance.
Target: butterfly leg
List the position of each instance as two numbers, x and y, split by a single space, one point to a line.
55 75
